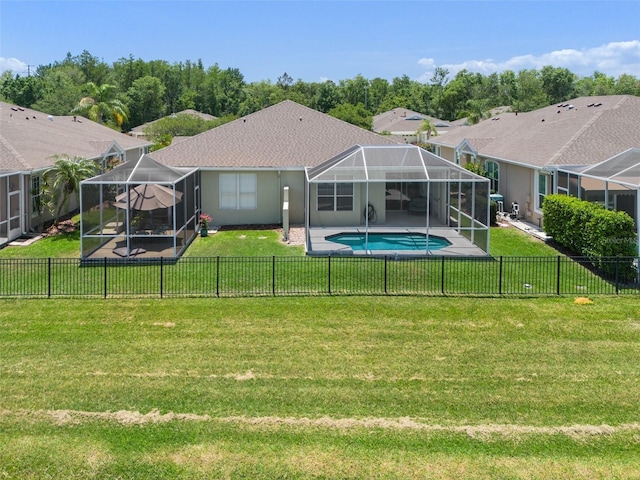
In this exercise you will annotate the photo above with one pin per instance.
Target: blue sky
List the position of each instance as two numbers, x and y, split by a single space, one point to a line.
330 39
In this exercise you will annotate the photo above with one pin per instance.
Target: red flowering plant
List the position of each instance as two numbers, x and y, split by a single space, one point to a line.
204 220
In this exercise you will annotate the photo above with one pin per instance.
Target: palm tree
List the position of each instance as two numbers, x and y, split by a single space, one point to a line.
63 180
428 127
101 105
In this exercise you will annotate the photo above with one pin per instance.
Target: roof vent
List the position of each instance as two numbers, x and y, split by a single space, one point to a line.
590 105
597 104
570 107
50 118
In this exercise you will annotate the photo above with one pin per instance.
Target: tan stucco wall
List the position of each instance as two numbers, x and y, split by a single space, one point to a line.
448 154
270 186
517 184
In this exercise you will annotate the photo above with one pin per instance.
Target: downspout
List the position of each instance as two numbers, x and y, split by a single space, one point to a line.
307 213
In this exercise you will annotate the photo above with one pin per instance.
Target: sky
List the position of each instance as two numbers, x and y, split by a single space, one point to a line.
314 41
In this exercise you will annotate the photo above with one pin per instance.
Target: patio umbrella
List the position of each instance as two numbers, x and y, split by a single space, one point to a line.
148 197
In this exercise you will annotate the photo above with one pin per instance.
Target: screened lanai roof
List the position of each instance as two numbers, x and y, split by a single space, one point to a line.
383 163
623 169
145 170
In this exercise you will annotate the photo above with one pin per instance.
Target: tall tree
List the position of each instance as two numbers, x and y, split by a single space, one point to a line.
60 92
146 100
531 95
354 114
102 106
558 83
438 81
62 181
327 97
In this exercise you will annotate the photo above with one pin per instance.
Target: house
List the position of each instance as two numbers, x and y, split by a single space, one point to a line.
138 131
28 140
245 164
405 123
290 163
522 152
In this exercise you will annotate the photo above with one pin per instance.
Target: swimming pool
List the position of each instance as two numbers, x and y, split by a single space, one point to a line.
389 241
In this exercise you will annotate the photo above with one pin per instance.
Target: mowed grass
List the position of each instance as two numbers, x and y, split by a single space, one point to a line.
255 243
328 387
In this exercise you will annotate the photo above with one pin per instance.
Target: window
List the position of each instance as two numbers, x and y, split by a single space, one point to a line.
238 191
544 184
563 183
492 170
335 197
36 196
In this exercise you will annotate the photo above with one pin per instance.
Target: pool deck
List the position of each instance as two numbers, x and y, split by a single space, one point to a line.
460 246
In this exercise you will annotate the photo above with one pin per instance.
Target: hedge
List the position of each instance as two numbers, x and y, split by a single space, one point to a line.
590 230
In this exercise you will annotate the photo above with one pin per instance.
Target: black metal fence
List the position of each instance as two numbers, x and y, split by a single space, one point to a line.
336 275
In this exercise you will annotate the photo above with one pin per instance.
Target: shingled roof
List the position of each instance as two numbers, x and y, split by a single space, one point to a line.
582 131
28 138
404 120
285 135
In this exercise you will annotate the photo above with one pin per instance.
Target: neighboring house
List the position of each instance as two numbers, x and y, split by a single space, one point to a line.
405 123
138 131
28 141
245 164
521 152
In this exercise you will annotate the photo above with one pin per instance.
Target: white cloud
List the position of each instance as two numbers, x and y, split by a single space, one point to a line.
13 64
613 59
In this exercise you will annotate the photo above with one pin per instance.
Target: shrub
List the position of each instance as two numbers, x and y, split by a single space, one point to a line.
591 230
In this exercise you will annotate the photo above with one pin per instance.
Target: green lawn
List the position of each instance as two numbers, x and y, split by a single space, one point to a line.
326 387
256 262
255 243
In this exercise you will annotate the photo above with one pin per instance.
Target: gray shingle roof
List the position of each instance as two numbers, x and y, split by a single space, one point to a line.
403 120
582 131
285 135
29 138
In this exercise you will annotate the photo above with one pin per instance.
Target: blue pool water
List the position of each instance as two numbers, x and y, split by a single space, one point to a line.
390 241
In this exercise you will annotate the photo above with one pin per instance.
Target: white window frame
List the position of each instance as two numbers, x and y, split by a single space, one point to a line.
340 193
238 191
36 194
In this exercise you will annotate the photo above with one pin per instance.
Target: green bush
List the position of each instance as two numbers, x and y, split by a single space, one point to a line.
590 230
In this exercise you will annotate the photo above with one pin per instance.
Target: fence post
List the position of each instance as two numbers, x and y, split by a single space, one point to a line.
329 274
49 278
218 276
161 278
558 275
500 278
442 276
105 277
617 274
273 275
385 274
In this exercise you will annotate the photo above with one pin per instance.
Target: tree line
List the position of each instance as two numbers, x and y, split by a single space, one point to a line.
131 91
